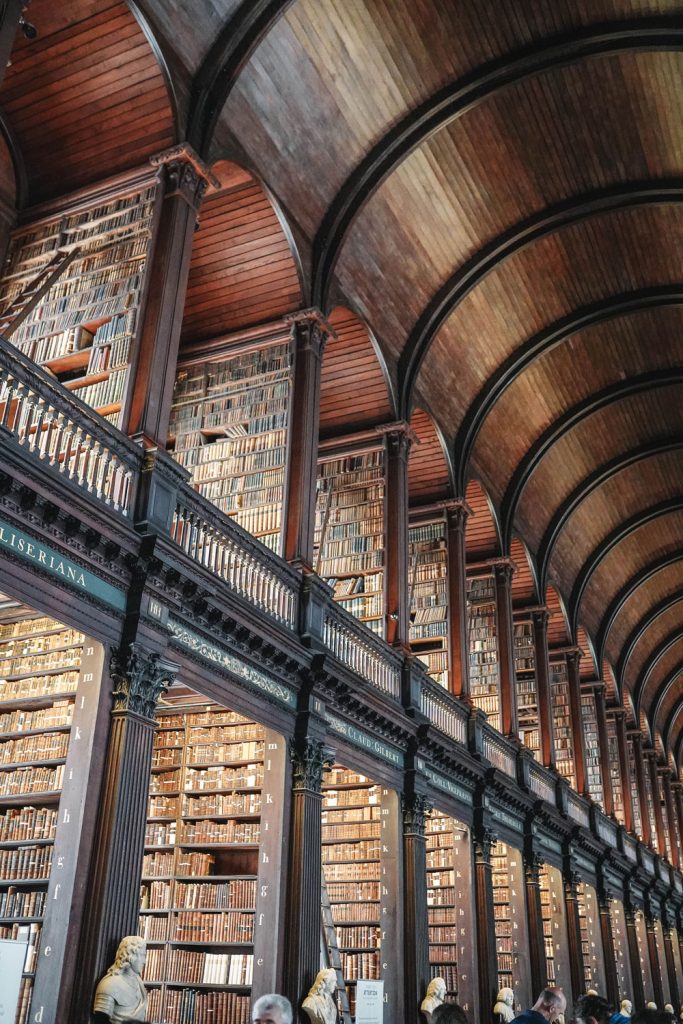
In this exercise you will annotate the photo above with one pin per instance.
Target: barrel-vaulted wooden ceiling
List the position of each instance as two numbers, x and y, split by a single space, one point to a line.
486 197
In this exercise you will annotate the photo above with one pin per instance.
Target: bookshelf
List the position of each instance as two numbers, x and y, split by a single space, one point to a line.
665 822
591 941
502 914
562 723
200 873
229 426
351 855
482 632
592 746
349 532
615 769
40 661
547 917
650 803
633 778
645 964
525 679
444 898
84 328
621 952
428 568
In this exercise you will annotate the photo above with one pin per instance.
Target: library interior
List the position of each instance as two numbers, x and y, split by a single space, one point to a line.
341 504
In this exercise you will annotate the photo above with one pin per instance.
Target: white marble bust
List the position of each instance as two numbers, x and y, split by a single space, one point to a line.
121 996
320 1005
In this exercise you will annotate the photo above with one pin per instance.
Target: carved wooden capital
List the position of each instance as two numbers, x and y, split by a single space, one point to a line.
484 840
185 174
415 807
309 330
310 760
532 867
139 678
457 513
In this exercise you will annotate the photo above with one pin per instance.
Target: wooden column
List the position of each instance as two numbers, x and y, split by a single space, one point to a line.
671 816
502 572
458 644
309 332
622 742
302 921
183 182
532 869
574 680
669 939
651 758
609 956
576 971
139 677
638 988
398 443
545 705
654 960
416 933
601 716
487 963
639 762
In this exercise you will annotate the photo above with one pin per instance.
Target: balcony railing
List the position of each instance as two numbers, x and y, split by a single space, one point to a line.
577 809
357 647
443 711
541 783
630 847
496 750
67 436
607 830
253 572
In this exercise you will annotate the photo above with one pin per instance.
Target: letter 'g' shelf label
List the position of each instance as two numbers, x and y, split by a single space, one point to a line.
28 549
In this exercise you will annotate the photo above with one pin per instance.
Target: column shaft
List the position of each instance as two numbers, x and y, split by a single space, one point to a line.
634 958
545 704
639 762
508 691
609 956
603 740
396 533
577 723
576 969
416 933
458 647
626 789
654 961
487 963
535 918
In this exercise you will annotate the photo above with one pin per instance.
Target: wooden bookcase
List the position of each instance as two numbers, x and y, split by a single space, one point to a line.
83 329
502 914
482 631
547 916
592 746
229 427
40 661
428 568
650 804
443 900
591 939
562 723
615 769
633 779
525 677
621 951
204 847
350 532
352 867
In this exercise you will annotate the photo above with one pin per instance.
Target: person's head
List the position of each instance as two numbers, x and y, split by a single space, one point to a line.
592 1010
272 1009
449 1013
551 1003
436 989
651 1015
130 955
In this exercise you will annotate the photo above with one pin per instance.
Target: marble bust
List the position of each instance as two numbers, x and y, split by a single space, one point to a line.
435 995
503 1007
320 1005
121 996
626 1008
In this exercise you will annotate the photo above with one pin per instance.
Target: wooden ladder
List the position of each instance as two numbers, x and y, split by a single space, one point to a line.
26 301
330 948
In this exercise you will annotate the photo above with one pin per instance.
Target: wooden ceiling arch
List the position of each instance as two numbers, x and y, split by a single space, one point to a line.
429 468
482 530
599 400
643 626
669 682
588 662
523 356
459 97
649 634
558 626
668 732
651 670
524 587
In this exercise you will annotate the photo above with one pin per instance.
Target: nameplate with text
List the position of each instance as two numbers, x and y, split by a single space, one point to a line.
224 659
448 786
365 740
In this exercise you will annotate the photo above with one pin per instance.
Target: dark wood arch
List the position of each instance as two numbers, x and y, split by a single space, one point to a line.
456 99
620 599
637 634
623 531
214 80
594 480
668 728
593 403
662 691
157 49
649 666
547 339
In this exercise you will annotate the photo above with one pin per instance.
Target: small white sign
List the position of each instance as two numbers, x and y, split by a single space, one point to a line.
12 960
369 1002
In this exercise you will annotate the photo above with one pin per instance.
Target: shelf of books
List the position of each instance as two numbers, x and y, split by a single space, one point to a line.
527 697
547 916
615 769
562 722
509 912
591 939
449 895
354 871
554 926
83 329
644 956
650 803
635 797
39 674
661 961
428 567
208 829
482 634
228 428
350 531
621 953
591 746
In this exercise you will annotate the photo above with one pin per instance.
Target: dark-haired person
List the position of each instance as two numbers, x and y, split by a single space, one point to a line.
592 1009
449 1013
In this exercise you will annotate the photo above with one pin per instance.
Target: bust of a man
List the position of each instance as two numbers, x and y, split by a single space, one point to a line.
120 996
502 1010
626 1008
435 995
319 1005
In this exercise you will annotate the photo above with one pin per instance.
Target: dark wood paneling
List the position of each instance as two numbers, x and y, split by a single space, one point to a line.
353 386
428 478
87 97
661 628
664 662
558 626
587 667
481 535
660 586
242 272
523 582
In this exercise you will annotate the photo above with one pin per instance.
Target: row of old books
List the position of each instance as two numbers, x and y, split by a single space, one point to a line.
189 1006
26 862
31 780
45 747
58 714
18 824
